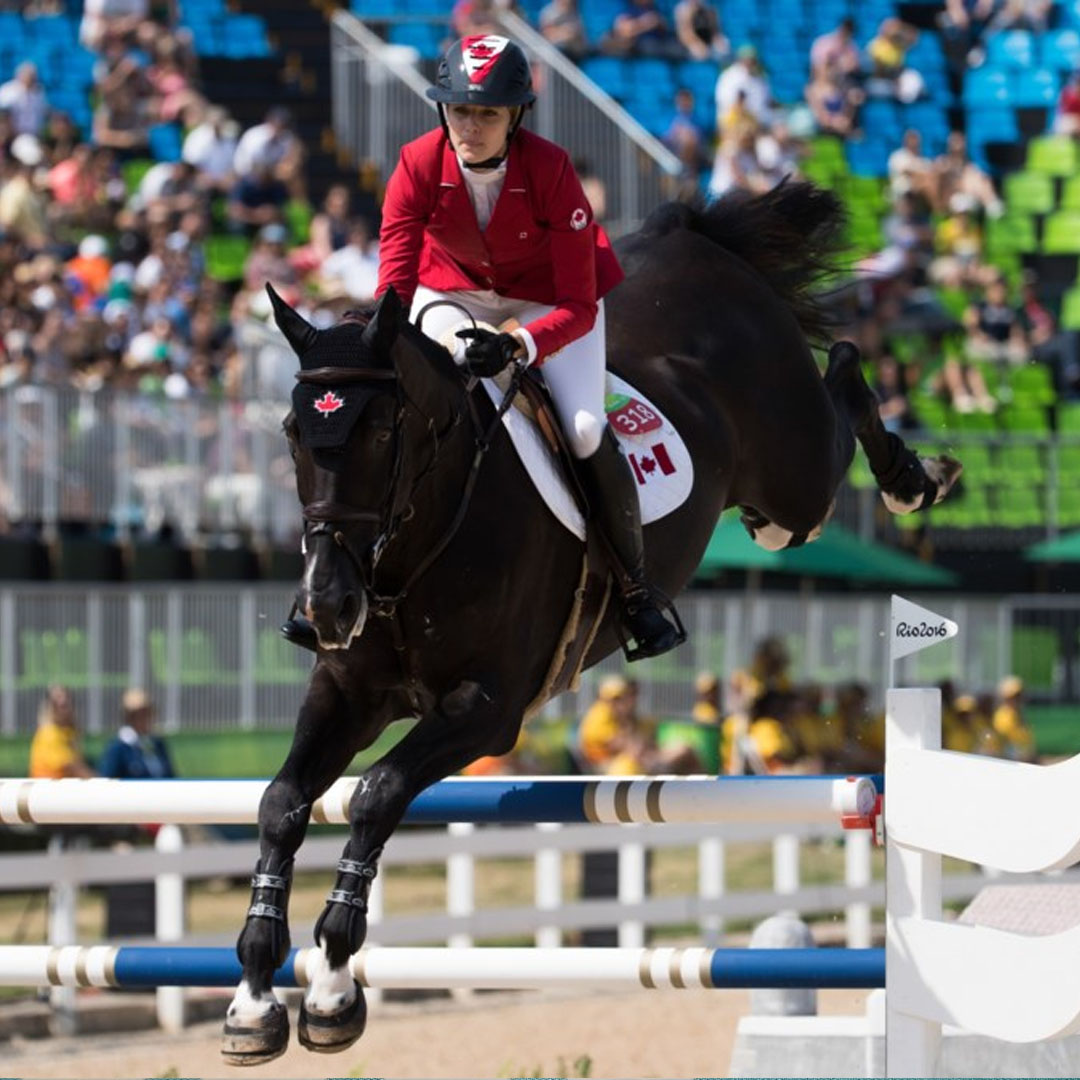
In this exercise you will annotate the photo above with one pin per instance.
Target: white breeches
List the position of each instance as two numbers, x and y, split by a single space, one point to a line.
574 375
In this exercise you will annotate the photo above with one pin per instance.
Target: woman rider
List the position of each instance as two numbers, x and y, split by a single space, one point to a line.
485 213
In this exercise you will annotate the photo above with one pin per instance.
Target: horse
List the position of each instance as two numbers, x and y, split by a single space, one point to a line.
439 584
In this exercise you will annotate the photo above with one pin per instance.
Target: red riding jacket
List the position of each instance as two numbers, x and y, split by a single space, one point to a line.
541 243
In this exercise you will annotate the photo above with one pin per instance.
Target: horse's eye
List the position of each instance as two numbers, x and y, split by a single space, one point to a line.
383 435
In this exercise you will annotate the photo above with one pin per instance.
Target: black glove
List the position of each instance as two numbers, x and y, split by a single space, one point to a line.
489 353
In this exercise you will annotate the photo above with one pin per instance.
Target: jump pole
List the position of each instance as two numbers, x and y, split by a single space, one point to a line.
768 800
473 969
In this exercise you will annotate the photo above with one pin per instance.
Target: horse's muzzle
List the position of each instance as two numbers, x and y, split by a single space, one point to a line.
337 617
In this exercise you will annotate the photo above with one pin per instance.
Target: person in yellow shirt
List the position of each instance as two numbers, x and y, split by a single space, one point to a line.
598 734
1009 723
54 751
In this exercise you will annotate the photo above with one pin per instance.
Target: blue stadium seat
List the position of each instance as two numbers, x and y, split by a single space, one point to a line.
165 142
987 86
987 125
204 8
375 8
1060 49
425 38
699 76
609 73
926 54
869 156
205 36
1010 49
245 36
882 120
1035 87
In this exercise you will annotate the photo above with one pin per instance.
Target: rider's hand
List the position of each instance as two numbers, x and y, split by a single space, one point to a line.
489 352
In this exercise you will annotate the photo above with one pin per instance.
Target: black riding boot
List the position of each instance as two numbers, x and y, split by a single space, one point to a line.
612 493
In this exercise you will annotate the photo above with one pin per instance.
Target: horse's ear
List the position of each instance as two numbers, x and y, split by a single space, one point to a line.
384 324
299 333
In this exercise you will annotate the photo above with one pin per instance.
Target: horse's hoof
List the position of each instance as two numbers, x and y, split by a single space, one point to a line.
246 1045
336 1031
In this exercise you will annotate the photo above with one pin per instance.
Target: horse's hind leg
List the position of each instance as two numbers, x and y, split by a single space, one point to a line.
465 725
257 1025
907 481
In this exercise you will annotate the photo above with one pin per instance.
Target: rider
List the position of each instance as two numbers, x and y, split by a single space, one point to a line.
483 212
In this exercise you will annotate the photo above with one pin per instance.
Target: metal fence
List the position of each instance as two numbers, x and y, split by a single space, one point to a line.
213 660
379 104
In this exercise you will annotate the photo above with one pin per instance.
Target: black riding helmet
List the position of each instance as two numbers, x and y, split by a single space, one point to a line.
486 69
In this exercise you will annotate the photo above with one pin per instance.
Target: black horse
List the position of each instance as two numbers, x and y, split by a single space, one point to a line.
438 582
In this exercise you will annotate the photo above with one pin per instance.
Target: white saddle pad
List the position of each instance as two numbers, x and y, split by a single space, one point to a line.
657 455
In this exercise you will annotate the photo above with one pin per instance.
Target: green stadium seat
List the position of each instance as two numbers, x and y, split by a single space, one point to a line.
979 467
226 256
1070 194
1061 233
827 151
1029 192
1070 309
1020 465
133 172
1021 508
1026 418
1054 155
1012 233
1032 384
930 410
1036 655
1068 504
1068 417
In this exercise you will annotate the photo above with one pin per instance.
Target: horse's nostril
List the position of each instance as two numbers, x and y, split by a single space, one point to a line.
350 609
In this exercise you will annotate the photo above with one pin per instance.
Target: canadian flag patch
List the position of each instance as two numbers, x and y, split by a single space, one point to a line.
329 403
652 464
479 55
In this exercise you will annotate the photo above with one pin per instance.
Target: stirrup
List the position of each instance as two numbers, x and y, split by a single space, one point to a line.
648 596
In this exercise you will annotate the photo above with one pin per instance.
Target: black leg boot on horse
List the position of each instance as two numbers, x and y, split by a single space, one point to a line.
613 501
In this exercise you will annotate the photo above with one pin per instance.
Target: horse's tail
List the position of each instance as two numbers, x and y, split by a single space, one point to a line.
790 235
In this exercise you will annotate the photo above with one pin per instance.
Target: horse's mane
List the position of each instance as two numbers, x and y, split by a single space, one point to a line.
790 235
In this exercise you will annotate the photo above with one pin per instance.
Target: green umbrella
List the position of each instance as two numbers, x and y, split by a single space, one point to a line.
838 552
1063 549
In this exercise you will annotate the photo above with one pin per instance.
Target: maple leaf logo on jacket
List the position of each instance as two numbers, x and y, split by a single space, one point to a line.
479 55
329 403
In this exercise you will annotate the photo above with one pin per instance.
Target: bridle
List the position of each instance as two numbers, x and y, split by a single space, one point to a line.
324 518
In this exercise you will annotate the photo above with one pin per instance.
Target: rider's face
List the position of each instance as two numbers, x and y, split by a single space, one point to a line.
478 132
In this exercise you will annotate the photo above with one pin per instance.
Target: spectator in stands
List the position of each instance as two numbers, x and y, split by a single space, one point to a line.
270 148
958 243
121 121
697 28
606 726
592 185
779 153
889 75
171 184
862 731
352 270
1033 15
736 164
955 172
270 263
561 23
257 199
836 51
743 84
1067 111
22 207
331 227
55 753
995 328
908 239
61 136
1049 344
169 82
963 23
24 98
640 29
1018 741
894 406
110 18
685 139
474 18
211 147
910 170
833 100
136 753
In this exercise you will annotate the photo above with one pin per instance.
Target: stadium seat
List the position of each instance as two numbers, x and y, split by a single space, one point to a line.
1013 233
1054 155
1010 49
1061 233
1070 310
869 156
1060 49
226 256
987 86
1038 87
1021 508
1067 510
1029 193
1068 418
1021 418
1032 384
609 73
1020 465
166 142
882 118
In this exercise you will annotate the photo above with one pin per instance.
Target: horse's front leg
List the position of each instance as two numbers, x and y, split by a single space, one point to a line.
465 725
257 1024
